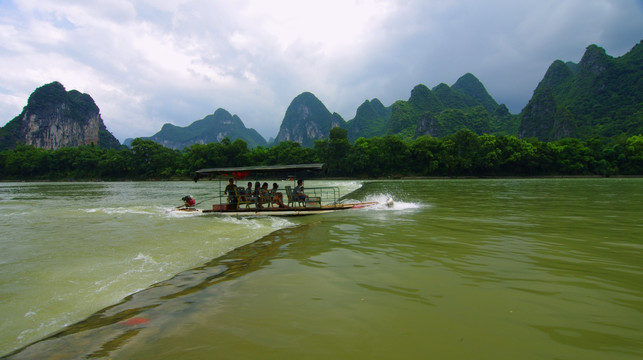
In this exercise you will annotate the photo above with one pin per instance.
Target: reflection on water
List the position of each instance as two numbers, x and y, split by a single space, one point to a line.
546 268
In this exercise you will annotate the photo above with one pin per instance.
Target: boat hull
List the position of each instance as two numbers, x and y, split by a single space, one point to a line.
276 211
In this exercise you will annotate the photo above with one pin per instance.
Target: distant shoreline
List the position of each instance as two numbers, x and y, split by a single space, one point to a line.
469 177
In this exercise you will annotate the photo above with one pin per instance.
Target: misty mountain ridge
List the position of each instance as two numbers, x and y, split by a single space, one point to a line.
307 118
599 96
212 128
559 108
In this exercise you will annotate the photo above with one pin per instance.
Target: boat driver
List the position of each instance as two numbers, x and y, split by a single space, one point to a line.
188 201
231 190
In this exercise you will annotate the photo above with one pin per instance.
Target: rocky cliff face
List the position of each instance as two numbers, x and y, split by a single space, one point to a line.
538 116
428 124
55 118
307 120
54 130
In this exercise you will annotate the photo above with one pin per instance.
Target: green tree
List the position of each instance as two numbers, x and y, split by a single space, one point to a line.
199 156
422 155
290 152
488 159
633 163
395 155
574 157
334 151
26 162
152 159
258 156
116 164
360 159
85 162
516 157
236 152
464 150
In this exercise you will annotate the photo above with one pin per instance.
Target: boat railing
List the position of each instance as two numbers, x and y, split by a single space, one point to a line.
316 197
326 195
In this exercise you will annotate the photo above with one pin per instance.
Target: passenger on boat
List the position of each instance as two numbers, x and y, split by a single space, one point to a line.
232 198
299 191
265 193
277 197
249 193
257 195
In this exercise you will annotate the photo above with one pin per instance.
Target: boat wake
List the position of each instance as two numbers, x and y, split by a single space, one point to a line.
386 202
176 212
119 210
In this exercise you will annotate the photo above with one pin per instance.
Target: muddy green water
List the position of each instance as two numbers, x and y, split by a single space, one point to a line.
477 269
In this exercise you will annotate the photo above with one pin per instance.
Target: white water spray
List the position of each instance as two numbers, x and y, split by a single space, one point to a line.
387 202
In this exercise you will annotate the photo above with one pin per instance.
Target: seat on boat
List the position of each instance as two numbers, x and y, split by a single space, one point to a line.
266 199
291 196
243 199
273 198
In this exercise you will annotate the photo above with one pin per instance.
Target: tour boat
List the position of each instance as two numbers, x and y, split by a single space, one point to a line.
234 201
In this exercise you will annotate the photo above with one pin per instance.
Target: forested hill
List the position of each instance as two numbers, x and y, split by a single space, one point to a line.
600 96
437 112
211 129
371 119
471 86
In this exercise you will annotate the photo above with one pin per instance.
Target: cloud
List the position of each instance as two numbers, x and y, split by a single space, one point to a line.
146 62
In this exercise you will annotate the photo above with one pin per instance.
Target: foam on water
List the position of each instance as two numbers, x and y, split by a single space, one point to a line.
386 202
176 213
348 185
119 210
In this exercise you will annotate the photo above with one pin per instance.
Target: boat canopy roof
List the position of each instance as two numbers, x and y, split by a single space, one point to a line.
242 172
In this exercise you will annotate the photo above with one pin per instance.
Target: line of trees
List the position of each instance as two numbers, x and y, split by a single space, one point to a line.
461 154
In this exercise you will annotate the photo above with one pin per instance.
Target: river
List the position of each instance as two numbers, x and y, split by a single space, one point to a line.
475 268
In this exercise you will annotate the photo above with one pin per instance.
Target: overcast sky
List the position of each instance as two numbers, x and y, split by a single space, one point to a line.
150 62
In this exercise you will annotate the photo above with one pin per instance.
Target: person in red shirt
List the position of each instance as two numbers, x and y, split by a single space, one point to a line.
188 201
